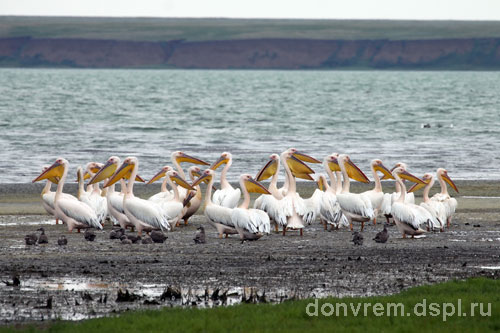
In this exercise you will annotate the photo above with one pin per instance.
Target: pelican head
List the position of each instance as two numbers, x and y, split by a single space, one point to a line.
206 176
194 171
174 176
251 185
443 174
397 165
106 170
160 174
332 162
401 173
269 169
91 168
55 179
224 158
379 166
128 164
352 169
181 157
55 170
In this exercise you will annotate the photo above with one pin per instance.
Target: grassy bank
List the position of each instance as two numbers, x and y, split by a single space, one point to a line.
161 29
291 316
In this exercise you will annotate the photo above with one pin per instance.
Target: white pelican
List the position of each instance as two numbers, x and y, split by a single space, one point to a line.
355 206
270 202
450 203
227 196
179 157
409 217
251 224
74 213
114 199
436 208
94 199
389 198
218 216
164 193
330 210
376 195
144 214
48 196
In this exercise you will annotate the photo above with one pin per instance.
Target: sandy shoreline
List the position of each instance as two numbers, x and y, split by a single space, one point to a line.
84 279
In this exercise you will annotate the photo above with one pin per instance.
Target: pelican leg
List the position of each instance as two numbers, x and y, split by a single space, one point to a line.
404 235
362 225
276 228
387 218
186 220
350 226
301 232
284 231
325 225
177 224
412 236
139 232
78 229
132 229
57 221
448 222
375 221
220 235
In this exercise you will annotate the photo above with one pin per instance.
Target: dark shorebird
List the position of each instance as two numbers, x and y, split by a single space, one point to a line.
31 239
158 236
126 241
116 233
43 237
134 238
89 235
62 241
147 240
200 236
357 238
16 282
382 236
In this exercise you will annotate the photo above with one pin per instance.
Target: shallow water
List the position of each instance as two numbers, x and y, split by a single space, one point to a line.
86 115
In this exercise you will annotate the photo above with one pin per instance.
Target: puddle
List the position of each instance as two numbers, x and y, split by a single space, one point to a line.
15 220
490 267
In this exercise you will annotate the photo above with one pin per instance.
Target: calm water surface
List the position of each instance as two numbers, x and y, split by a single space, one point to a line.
86 115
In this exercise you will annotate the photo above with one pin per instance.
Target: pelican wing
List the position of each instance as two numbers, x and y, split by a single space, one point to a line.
437 210
356 204
330 210
376 198
147 212
385 208
275 209
252 220
412 215
172 209
161 196
116 200
79 211
313 206
228 197
219 214
48 199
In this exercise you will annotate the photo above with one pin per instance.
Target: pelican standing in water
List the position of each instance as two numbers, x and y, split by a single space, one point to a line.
435 208
218 216
227 196
74 213
376 195
251 224
409 217
356 207
144 214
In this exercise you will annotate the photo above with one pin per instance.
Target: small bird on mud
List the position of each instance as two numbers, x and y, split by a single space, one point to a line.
62 240
357 238
31 239
89 235
134 238
126 241
147 240
117 233
16 282
43 237
200 236
382 236
158 236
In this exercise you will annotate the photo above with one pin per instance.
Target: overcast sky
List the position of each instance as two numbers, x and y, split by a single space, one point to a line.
329 9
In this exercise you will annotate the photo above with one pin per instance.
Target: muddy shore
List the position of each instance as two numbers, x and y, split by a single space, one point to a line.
90 279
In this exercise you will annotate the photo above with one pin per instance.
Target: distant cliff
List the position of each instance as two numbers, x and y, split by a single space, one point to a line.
478 53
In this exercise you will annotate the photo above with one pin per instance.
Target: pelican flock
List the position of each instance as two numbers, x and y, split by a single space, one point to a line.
229 209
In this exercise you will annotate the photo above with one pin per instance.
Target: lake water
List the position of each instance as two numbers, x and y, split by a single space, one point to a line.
86 115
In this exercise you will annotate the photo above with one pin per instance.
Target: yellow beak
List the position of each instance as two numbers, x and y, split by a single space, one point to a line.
254 186
268 170
334 166
106 171
297 166
55 170
190 159
386 172
305 158
218 163
321 184
119 174
408 176
158 176
303 176
450 182
180 181
417 187
203 177
355 173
